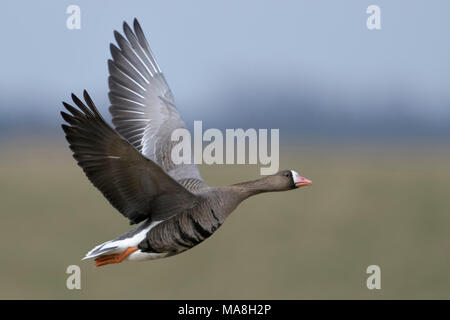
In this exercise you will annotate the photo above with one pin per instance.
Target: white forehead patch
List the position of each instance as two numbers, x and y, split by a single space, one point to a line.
295 177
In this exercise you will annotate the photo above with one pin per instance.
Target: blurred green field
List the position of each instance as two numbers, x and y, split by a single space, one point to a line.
387 205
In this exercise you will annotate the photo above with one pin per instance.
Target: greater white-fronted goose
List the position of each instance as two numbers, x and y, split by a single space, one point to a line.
131 164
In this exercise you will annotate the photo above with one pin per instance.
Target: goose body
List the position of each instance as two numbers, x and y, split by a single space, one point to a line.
132 167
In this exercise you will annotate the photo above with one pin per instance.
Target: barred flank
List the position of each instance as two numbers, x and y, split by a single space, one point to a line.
182 231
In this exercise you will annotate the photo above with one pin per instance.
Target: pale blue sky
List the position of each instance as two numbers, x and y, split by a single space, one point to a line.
215 49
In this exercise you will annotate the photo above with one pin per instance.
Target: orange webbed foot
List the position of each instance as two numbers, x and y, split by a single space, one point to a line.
114 258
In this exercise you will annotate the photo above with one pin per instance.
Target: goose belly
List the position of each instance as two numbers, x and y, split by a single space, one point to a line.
180 233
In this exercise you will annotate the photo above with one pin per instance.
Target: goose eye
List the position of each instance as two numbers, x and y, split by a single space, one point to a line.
287 174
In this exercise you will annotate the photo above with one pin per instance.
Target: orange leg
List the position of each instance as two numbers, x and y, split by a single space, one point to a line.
114 258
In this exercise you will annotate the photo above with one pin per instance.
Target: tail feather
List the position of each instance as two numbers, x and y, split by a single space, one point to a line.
103 248
130 239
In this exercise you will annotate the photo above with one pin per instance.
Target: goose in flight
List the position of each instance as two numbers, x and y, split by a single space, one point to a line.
131 164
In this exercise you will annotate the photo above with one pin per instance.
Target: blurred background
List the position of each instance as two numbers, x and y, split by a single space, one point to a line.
364 114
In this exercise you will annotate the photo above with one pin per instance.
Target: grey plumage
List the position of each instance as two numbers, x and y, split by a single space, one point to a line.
142 104
133 184
131 164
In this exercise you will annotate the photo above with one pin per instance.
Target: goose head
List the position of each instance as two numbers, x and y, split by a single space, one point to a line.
288 180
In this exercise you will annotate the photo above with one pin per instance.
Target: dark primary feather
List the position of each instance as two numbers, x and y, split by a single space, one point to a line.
133 184
142 105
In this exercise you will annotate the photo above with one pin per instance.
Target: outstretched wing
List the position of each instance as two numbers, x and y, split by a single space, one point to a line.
142 105
133 184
